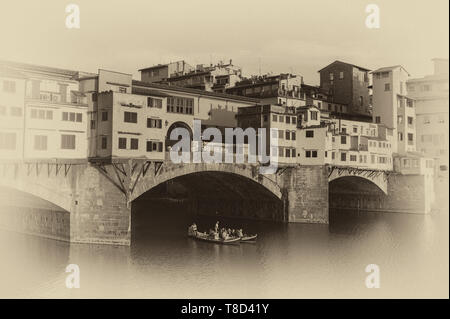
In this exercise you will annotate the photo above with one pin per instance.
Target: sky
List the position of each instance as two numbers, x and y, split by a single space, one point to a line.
296 36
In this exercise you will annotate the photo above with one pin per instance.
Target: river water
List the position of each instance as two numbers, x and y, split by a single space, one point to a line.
287 261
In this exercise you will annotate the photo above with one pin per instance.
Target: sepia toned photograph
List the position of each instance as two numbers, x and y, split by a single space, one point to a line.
205 149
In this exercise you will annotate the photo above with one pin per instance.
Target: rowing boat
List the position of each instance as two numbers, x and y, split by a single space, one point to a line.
249 237
204 237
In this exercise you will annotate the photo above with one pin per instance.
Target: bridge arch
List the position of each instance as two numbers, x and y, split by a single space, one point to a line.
171 171
47 192
379 179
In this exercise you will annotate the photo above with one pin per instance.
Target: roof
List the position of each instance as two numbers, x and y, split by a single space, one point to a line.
225 96
389 68
429 78
146 91
337 61
158 66
9 72
38 68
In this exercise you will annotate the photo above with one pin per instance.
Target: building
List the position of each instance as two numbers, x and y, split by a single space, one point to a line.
54 112
135 119
348 84
432 105
282 89
305 138
161 72
12 109
213 78
343 142
270 117
316 96
393 108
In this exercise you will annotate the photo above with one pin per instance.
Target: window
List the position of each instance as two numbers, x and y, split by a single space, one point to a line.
265 118
42 114
130 117
288 135
308 154
400 136
280 134
288 152
353 158
9 86
281 119
40 142
410 120
71 117
426 87
333 155
16 111
67 142
134 145
294 120
343 157
343 139
387 86
410 138
361 101
122 89
154 123
293 135
122 143
152 102
313 115
385 74
7 141
104 142
154 146
400 119
355 130
274 118
309 133
331 76
314 153
180 105
104 116
288 120
377 119
341 75
409 103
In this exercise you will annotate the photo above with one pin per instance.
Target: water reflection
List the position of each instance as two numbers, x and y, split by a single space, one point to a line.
288 260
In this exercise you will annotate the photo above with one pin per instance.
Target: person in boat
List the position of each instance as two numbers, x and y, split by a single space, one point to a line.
216 228
192 230
224 234
239 233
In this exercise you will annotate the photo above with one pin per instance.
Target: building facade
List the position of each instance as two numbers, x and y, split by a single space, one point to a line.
53 115
432 105
283 89
347 84
212 78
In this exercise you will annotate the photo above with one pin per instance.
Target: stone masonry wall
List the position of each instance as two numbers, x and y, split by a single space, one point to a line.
306 194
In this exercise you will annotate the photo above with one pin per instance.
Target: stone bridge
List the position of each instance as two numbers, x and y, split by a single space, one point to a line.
97 196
